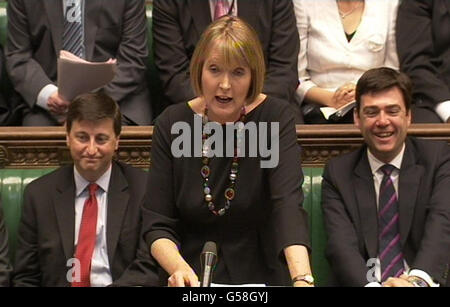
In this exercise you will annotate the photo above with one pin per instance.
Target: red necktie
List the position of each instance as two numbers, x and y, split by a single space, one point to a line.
86 238
220 9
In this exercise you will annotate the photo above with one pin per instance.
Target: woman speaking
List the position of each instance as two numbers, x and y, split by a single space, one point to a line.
227 194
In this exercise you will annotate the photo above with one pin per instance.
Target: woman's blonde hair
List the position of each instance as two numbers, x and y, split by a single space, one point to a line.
238 43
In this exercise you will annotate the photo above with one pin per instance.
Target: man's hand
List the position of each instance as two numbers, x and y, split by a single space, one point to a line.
397 282
57 104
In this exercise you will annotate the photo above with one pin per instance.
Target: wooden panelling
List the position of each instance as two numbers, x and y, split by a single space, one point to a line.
40 147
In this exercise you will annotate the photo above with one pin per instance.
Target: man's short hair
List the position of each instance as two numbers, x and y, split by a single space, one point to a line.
377 80
238 43
94 107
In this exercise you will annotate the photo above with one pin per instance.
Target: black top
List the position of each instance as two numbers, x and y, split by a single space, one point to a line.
265 215
350 35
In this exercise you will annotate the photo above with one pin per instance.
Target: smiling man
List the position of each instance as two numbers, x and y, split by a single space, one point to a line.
81 224
386 205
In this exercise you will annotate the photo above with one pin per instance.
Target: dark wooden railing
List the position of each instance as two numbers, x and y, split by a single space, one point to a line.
39 147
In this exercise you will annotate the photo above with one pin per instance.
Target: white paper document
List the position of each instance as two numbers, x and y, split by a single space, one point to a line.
77 76
328 111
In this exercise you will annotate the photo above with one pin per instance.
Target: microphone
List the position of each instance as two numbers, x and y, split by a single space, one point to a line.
208 259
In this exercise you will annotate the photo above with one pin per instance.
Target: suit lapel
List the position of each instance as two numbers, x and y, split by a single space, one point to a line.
55 17
409 181
200 13
366 201
90 25
118 197
64 203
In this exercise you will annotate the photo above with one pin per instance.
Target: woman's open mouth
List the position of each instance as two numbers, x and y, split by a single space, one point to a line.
224 99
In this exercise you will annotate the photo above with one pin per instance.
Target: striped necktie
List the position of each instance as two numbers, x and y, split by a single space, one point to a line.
390 250
73 35
221 8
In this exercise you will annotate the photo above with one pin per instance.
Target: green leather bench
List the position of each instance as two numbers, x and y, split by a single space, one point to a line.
13 182
3 22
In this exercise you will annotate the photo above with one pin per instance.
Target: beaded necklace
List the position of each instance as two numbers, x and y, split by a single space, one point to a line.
205 171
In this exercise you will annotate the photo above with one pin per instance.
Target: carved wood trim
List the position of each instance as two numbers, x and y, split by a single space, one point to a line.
40 147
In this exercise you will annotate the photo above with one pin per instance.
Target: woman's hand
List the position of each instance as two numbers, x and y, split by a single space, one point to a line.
344 95
302 283
183 278
297 258
181 273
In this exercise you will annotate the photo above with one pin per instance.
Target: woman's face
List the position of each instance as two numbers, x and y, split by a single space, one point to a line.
225 87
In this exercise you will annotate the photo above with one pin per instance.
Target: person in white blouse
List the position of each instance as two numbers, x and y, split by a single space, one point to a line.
339 41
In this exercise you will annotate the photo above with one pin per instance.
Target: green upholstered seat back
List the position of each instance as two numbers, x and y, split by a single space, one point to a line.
12 184
312 203
3 23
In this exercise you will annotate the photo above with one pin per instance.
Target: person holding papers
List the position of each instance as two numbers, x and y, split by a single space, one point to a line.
94 30
251 209
339 41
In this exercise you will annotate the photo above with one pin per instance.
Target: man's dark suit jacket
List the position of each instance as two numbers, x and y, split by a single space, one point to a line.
350 212
113 29
423 43
4 107
178 25
5 267
47 230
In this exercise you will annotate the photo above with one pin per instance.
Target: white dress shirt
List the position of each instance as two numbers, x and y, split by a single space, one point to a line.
327 59
100 270
443 110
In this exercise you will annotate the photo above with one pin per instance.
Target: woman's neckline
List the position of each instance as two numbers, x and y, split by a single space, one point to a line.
248 111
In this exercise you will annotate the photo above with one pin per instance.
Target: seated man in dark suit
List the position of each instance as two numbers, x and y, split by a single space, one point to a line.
81 224
423 45
178 24
94 30
5 267
386 205
11 104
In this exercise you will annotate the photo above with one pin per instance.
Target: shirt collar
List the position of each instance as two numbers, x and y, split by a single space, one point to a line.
81 183
212 4
375 164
